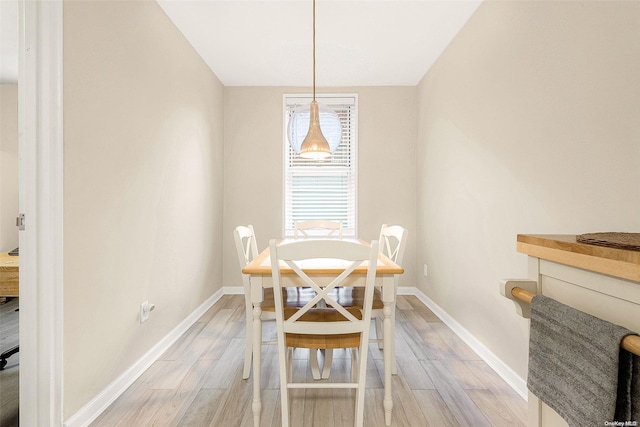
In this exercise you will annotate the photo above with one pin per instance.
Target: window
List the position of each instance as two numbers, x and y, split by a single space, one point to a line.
322 189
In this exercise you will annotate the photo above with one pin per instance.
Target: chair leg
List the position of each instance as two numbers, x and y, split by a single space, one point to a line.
354 365
326 365
379 332
359 416
362 363
313 361
285 368
248 349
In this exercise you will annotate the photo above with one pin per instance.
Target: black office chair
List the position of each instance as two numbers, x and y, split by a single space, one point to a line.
13 350
4 356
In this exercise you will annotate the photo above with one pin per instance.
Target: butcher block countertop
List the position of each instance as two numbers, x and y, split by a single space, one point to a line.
564 249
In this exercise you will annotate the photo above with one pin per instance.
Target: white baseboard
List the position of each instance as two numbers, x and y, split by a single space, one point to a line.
98 404
507 374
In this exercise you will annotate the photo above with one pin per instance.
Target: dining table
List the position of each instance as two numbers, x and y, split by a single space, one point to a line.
259 270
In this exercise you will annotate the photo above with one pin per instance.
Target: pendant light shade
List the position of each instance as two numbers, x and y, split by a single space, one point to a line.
308 124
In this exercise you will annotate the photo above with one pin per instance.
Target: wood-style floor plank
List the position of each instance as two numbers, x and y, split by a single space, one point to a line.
435 410
458 402
404 401
10 375
500 389
454 343
171 413
203 408
198 381
237 395
407 333
145 408
223 371
496 411
129 400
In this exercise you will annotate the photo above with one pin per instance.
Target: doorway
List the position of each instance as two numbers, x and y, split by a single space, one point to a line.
40 199
9 293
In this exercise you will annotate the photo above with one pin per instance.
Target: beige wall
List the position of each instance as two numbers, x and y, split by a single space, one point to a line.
253 165
8 166
528 123
143 154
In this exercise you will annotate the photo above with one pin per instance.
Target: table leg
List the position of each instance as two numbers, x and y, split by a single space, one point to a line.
394 363
388 400
257 356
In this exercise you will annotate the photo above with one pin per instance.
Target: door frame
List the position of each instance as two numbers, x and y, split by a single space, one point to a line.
40 164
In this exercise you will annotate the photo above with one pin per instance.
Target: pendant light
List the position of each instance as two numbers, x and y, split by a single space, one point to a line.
315 145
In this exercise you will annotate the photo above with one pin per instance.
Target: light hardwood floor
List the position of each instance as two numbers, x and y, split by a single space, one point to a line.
10 375
198 382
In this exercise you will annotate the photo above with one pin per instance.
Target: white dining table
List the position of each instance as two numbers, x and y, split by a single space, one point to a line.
259 271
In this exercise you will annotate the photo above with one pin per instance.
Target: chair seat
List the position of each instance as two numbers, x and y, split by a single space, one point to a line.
352 296
321 341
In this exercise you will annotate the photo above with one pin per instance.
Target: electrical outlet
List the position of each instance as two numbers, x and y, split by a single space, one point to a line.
424 270
145 310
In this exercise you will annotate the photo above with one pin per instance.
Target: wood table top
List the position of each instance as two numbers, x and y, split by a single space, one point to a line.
261 265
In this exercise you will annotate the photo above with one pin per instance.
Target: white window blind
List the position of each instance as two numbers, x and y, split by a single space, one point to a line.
322 189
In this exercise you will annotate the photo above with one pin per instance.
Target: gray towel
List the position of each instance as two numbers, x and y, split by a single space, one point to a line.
573 362
628 404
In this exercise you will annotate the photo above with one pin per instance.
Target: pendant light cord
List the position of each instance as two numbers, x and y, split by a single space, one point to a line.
314 50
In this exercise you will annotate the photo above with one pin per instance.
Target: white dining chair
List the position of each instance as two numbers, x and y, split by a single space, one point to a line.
317 228
247 250
392 241
326 328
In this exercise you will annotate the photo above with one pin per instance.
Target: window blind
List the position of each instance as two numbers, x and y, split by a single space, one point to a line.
322 189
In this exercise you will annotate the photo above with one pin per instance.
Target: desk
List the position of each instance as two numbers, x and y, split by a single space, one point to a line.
260 271
9 276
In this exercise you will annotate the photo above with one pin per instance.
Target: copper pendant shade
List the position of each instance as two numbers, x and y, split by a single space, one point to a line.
314 145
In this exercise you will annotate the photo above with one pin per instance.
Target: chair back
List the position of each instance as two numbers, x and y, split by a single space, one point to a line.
393 240
301 254
317 228
247 250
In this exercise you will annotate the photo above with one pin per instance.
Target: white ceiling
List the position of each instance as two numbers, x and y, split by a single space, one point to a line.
269 42
358 42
